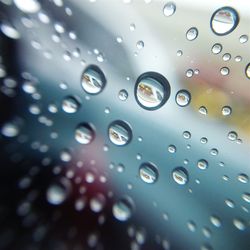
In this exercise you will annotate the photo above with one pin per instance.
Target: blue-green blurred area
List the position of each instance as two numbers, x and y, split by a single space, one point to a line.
93 156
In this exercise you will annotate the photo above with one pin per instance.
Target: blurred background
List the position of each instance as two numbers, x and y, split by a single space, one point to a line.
124 124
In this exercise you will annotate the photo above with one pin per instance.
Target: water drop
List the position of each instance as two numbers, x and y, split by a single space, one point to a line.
169 9
119 39
232 136
123 95
140 45
217 48
65 155
226 57
191 226
152 90
243 38
243 178
119 133
97 203
203 110
58 192
179 53
238 59
59 28
148 172
171 149
132 27
93 80
229 203
202 164
224 71
70 104
186 134
123 209
84 133
43 17
183 98
180 175
247 71
192 34
10 129
189 73
226 110
10 31
29 6
215 221
214 151
224 21
246 197
239 224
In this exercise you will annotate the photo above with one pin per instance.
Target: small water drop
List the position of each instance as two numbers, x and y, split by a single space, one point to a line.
217 48
232 136
179 53
70 104
186 134
226 111
132 27
239 224
243 178
119 39
189 73
180 175
123 95
229 203
10 129
202 164
28 6
148 172
119 133
192 34
224 71
123 209
97 203
140 45
169 9
243 38
93 80
226 57
84 133
203 110
215 221
224 21
246 197
152 90
183 98
171 149
10 31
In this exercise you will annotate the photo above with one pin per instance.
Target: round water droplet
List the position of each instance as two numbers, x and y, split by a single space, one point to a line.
224 21
132 27
93 80
238 59
10 129
191 226
246 197
84 133
186 134
119 39
179 53
189 73
65 155
58 192
180 175
243 38
202 164
217 48
214 151
119 133
123 209
29 6
152 90
140 45
239 224
148 172
247 71
171 149
123 95
183 98
215 221
226 57
232 136
70 104
224 71
169 9
97 203
243 178
203 110
192 34
226 110
10 31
